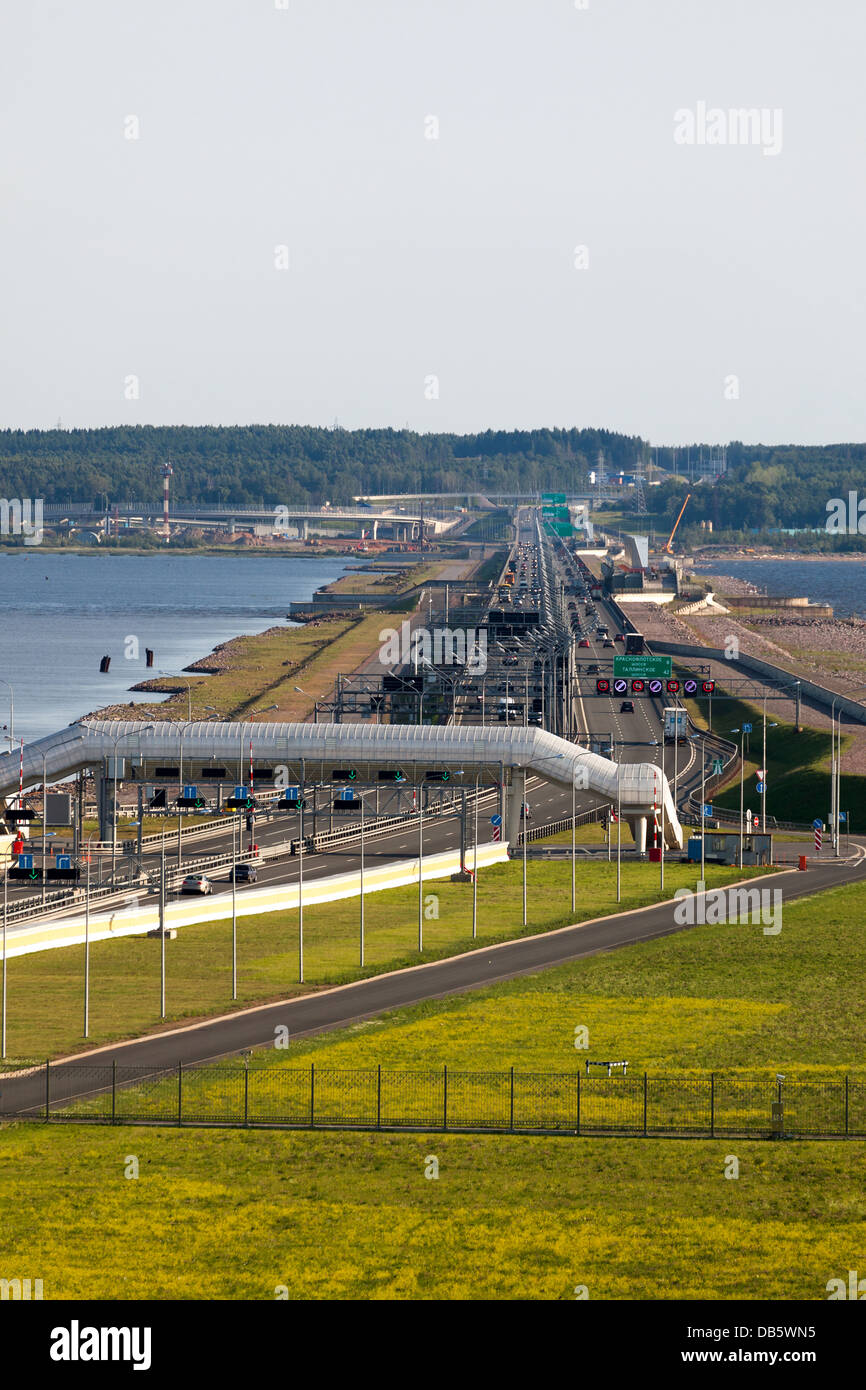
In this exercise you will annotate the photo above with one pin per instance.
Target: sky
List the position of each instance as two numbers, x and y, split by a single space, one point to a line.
443 214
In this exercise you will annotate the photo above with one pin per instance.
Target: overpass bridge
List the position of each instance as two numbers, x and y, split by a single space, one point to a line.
172 753
401 524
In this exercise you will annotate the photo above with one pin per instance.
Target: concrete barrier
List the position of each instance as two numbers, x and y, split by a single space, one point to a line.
137 920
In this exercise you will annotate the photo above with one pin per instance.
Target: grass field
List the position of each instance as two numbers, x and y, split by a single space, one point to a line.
265 669
262 1214
229 1215
798 765
45 990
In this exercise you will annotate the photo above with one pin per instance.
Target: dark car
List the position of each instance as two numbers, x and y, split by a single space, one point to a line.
243 873
627 707
592 669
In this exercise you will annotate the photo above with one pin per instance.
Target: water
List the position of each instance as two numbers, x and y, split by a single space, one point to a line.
60 614
839 582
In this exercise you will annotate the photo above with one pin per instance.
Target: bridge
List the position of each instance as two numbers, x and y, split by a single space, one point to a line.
401 524
131 749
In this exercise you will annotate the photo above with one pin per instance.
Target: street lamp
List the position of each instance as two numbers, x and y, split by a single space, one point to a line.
11 713
742 734
130 733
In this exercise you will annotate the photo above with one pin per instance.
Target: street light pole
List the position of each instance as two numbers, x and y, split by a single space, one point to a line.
5 910
11 714
362 879
235 905
475 866
421 868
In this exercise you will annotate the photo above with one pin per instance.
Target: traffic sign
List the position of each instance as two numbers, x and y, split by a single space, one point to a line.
63 861
648 667
718 767
690 687
620 687
759 788
637 687
602 687
747 728
843 815
655 687
497 832
817 825
760 773
25 861
673 687
708 810
495 820
708 687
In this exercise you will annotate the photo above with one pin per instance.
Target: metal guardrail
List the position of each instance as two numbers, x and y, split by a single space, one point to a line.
541 832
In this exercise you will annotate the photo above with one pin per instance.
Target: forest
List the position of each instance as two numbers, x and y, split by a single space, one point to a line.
766 488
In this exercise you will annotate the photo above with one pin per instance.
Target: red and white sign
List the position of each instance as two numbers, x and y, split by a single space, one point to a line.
497 832
818 841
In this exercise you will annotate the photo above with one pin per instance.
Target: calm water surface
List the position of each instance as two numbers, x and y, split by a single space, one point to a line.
60 614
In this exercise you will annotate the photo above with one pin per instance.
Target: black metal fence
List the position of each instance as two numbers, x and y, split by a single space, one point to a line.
385 1098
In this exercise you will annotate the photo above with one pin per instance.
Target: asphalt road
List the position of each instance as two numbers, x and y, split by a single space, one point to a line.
328 1009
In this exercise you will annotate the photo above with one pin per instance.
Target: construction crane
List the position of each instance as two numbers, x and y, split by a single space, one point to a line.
667 547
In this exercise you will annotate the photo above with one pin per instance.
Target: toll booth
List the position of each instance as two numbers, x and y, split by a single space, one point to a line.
723 847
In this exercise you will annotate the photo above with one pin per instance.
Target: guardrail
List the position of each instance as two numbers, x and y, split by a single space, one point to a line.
541 832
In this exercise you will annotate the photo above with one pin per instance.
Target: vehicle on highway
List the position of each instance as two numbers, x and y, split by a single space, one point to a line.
243 873
196 883
607 642
618 637
592 669
627 707
584 642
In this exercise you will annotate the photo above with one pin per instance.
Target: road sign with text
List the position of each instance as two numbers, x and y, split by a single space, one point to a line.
644 667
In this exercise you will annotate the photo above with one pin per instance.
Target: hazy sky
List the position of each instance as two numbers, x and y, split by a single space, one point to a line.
720 295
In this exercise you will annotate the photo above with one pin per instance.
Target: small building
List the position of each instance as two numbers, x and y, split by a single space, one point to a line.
723 847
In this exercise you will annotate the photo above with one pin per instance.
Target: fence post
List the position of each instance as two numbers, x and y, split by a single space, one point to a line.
379 1096
846 1106
179 1091
712 1105
644 1103
312 1095
113 1089
47 1088
445 1096
246 1097
511 1110
578 1102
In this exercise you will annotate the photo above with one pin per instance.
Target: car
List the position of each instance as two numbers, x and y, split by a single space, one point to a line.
196 883
592 669
510 661
243 873
607 642
627 707
618 637
584 642
535 717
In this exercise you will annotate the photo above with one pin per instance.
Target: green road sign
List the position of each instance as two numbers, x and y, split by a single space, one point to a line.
642 667
555 499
